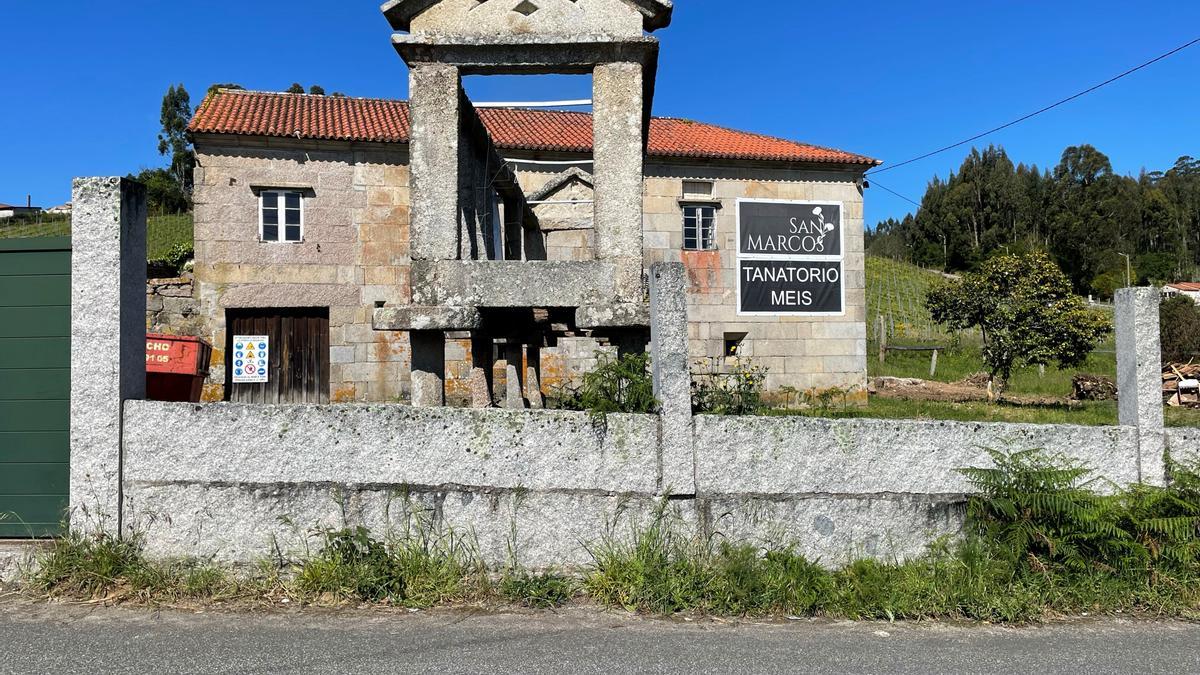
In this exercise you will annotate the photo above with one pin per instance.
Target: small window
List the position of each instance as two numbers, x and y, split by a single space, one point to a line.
733 344
697 188
281 215
699 228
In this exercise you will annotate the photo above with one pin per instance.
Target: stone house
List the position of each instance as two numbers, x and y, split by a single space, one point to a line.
344 164
431 250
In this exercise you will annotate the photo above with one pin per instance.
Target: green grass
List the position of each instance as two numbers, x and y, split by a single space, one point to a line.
162 232
1088 413
959 362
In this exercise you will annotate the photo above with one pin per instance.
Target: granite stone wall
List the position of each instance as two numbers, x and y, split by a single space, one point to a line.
544 485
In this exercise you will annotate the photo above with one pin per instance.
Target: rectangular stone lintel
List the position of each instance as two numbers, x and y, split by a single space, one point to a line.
613 315
513 283
418 317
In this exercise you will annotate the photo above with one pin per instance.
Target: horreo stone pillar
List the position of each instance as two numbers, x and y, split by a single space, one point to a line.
618 155
1139 377
435 106
481 370
672 376
428 368
108 341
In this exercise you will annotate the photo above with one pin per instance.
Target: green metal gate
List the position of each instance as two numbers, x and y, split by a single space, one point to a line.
35 384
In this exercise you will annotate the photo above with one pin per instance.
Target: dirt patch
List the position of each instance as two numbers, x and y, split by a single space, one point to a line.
973 388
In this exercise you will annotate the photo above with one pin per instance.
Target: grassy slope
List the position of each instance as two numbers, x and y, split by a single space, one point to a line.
162 232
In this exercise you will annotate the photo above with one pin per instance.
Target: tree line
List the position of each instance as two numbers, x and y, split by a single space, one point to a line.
1081 213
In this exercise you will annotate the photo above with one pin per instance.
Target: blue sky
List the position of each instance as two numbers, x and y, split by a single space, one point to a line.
83 80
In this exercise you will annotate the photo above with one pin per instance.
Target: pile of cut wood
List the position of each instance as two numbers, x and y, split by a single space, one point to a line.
1181 384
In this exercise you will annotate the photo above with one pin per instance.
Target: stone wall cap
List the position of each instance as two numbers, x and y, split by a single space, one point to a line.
400 13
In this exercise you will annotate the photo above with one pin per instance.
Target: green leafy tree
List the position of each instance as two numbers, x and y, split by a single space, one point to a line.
296 88
1179 323
175 141
1024 307
163 192
317 90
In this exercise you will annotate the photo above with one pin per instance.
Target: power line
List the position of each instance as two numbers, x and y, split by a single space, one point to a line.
1037 112
877 184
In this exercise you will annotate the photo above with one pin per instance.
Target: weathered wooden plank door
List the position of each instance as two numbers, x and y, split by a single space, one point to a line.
298 371
35 384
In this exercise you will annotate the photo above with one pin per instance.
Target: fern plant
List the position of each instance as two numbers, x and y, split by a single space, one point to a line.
1043 509
1166 520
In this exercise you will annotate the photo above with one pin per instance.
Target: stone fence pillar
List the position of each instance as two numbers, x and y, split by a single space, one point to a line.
108 340
672 376
1139 377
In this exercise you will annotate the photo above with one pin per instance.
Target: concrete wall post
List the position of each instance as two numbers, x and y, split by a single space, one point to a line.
672 376
108 341
435 107
428 368
618 155
1139 377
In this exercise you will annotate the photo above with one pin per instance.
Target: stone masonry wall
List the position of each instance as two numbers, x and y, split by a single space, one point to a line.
354 253
171 307
801 352
545 484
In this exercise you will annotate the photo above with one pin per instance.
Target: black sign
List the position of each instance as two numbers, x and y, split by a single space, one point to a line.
790 286
789 228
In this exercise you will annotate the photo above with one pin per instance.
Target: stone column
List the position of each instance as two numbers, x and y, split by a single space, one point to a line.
428 368
618 154
434 107
514 394
108 341
1139 377
481 370
672 376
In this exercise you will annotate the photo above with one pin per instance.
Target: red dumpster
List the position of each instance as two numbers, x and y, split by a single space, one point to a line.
176 366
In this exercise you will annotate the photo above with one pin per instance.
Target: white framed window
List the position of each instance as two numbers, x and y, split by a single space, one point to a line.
699 227
281 216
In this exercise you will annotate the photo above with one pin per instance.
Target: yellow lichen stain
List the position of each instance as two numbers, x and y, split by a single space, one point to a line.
212 393
344 394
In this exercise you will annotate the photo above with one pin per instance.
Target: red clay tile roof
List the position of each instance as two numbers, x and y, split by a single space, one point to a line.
1189 286
381 120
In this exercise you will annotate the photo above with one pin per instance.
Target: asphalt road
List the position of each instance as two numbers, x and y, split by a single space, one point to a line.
55 638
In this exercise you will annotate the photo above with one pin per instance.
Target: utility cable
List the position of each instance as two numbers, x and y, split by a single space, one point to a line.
1036 112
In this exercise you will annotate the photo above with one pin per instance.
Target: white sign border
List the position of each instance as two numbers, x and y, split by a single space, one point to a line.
739 256
266 375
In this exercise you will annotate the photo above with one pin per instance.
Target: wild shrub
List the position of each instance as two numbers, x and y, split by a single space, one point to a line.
538 591
1179 323
353 564
419 570
737 392
663 571
619 385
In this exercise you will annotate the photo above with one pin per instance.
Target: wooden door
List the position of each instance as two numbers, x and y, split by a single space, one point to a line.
298 368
